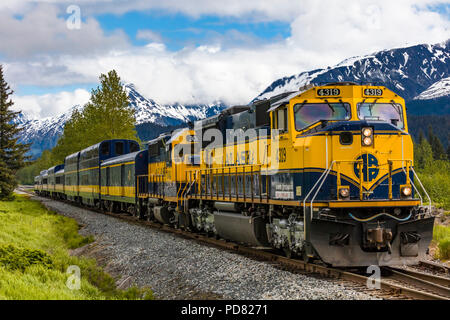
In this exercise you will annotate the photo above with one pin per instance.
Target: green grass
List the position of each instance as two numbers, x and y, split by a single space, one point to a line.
34 257
436 180
441 236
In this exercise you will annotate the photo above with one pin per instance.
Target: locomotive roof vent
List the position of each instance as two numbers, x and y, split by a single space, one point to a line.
342 83
306 87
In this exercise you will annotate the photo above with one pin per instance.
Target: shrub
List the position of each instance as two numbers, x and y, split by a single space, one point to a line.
441 235
14 258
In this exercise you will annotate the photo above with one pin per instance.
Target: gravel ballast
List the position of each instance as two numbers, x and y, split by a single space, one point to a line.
178 268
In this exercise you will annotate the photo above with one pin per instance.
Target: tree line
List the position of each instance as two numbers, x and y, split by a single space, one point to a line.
107 115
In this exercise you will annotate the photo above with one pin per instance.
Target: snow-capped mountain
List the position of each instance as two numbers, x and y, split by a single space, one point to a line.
148 111
436 90
408 71
44 133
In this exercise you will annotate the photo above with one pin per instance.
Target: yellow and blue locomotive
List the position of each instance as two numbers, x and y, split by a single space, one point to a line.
325 172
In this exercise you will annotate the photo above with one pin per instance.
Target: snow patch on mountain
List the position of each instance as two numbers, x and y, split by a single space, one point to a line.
436 90
408 71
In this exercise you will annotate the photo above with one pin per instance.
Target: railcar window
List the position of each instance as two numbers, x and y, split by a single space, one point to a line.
119 148
307 114
388 112
134 147
105 149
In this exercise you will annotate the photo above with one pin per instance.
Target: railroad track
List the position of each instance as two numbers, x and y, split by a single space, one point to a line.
400 284
435 266
433 284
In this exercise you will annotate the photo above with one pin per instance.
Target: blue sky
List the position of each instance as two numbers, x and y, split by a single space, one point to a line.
196 51
179 30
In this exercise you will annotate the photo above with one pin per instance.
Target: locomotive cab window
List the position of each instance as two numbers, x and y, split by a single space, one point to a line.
389 112
305 114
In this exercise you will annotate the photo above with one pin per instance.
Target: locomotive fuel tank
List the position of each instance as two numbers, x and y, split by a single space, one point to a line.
163 214
234 226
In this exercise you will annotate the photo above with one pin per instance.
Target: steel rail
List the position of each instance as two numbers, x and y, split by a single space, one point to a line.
430 283
436 266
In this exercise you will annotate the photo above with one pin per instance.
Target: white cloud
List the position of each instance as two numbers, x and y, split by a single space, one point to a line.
43 31
322 34
365 26
148 35
41 106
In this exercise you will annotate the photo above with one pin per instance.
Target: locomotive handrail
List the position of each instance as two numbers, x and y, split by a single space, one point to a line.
424 190
408 180
154 177
322 178
217 172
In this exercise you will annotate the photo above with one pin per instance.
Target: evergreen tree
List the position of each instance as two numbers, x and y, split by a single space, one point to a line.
423 155
421 136
12 154
436 145
448 147
109 107
106 116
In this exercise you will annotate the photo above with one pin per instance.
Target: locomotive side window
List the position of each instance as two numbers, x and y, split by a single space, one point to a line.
153 150
309 113
280 120
119 148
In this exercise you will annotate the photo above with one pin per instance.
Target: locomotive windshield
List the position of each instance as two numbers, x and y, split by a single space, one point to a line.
388 112
307 113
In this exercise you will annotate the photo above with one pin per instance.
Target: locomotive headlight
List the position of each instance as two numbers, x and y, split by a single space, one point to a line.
367 132
367 141
367 136
406 191
344 192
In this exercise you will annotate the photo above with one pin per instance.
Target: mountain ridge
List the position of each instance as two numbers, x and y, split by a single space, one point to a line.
409 71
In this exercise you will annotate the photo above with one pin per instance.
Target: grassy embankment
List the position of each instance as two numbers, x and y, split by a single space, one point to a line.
441 237
436 180
34 257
